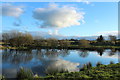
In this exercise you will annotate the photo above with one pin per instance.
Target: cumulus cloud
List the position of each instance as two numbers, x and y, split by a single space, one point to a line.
11 10
50 66
60 65
58 17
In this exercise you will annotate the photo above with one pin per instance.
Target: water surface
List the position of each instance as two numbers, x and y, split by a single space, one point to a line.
44 61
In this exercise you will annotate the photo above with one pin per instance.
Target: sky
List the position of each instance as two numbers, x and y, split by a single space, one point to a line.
61 18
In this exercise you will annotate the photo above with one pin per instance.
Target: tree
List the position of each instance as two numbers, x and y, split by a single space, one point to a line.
5 38
100 38
28 39
52 42
64 43
18 39
112 38
84 43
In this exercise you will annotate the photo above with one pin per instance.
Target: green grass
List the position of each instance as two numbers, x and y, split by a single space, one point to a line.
101 72
106 46
3 47
111 71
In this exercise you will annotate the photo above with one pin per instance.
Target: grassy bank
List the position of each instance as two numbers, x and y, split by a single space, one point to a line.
111 71
101 72
4 47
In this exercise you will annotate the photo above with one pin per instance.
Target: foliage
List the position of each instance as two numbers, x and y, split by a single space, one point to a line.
52 42
112 38
111 62
89 65
98 64
17 39
25 74
20 40
84 68
84 43
100 38
64 43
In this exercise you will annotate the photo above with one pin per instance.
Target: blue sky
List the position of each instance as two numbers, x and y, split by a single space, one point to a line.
98 17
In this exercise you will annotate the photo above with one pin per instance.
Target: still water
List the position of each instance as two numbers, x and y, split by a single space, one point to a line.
48 60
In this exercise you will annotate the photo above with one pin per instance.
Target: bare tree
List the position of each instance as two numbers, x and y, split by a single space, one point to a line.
112 38
15 38
52 42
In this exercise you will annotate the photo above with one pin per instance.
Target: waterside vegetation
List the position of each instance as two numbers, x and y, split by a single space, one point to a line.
99 72
19 40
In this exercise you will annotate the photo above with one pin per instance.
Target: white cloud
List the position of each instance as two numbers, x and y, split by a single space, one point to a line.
58 17
53 32
11 10
106 33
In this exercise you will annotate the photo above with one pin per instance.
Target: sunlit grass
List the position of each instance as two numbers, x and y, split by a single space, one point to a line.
110 71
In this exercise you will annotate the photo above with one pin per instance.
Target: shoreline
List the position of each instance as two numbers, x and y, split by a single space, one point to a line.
47 47
110 71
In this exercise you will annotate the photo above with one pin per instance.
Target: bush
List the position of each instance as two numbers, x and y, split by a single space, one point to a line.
25 74
84 67
84 43
111 62
98 64
89 65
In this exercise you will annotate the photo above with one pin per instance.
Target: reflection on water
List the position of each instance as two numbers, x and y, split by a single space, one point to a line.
60 65
45 61
83 53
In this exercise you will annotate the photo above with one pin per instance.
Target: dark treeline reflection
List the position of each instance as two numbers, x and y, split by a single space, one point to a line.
23 56
111 52
16 57
100 51
83 53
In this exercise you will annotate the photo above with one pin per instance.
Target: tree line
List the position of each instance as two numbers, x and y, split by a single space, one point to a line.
19 39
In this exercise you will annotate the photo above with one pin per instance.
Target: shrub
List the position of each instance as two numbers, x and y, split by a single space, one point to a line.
111 62
25 74
89 65
98 64
84 67
84 43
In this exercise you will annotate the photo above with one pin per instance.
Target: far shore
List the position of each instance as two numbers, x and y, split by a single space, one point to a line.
71 47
